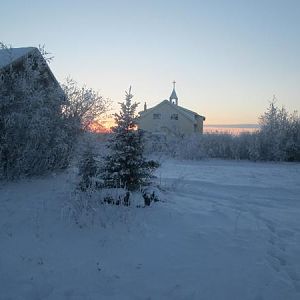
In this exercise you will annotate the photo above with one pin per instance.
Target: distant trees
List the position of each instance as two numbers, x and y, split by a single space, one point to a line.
277 140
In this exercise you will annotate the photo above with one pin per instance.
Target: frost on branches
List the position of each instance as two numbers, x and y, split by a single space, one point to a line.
126 166
35 135
85 105
280 134
88 170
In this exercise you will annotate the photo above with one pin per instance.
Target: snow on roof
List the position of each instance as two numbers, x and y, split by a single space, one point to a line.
189 112
9 55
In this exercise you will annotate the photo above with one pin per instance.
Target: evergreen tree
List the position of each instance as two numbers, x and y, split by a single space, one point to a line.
126 165
279 134
87 170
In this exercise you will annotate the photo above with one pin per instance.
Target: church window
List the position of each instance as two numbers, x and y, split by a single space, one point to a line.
174 116
156 116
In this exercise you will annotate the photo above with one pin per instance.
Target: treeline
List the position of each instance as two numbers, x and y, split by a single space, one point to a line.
277 140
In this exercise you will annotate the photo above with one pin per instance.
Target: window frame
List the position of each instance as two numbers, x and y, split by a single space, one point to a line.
174 117
156 116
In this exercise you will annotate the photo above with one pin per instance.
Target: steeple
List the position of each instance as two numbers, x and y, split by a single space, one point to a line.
173 98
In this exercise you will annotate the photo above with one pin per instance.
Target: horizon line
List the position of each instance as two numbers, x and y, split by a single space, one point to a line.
247 125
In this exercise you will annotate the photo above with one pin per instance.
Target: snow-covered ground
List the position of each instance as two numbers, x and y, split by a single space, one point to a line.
226 230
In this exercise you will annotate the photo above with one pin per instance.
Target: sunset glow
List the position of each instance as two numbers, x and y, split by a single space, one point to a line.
233 131
228 59
99 127
150 150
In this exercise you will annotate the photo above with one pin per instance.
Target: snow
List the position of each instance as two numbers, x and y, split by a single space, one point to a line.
225 230
9 55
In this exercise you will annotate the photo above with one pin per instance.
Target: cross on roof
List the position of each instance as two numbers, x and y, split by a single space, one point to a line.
174 82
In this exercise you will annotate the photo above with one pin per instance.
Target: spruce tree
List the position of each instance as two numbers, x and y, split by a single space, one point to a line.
126 166
87 170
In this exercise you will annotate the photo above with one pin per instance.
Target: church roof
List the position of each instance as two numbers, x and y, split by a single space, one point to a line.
186 112
7 56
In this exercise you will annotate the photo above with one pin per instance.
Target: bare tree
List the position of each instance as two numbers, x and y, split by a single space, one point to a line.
84 104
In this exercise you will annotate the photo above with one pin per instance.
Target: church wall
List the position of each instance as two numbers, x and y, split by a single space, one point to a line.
165 124
200 124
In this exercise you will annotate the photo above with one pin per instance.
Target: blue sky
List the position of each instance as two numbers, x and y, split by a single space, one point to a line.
228 57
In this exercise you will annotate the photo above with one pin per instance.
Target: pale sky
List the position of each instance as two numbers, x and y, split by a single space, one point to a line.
228 57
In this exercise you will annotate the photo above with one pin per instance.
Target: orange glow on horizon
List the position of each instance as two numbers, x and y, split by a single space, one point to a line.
99 127
229 130
104 126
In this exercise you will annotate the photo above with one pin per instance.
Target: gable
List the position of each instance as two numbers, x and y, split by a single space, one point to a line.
173 108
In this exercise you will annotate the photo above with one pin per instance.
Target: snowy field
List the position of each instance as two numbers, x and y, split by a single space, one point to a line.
225 230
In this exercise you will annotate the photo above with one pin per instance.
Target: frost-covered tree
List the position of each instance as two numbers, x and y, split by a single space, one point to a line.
270 133
35 135
85 105
293 141
88 170
126 165
280 134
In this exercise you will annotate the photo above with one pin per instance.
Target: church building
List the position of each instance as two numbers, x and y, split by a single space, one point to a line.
170 119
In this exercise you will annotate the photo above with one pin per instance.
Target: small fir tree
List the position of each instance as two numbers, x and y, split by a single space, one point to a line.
87 170
126 166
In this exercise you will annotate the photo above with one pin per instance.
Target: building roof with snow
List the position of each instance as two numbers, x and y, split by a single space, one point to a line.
10 55
16 57
184 111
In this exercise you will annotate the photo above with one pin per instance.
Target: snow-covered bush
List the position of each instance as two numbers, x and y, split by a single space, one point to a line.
190 147
99 206
35 136
219 145
196 146
82 208
157 143
151 194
